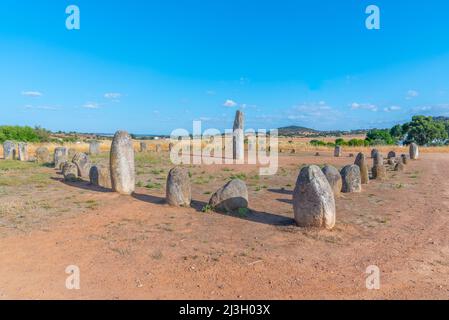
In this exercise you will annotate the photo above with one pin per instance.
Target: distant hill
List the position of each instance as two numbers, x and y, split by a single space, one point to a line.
292 131
297 131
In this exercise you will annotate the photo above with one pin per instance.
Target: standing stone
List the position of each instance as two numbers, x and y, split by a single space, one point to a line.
391 155
379 172
351 178
61 156
122 164
70 172
233 196
143 147
374 152
334 179
83 164
317 154
404 158
378 160
391 161
158 148
338 151
238 139
43 155
171 146
94 148
414 151
100 176
9 150
361 162
22 151
313 199
178 193
399 167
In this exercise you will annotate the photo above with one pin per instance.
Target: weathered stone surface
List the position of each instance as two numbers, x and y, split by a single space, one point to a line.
378 160
83 164
70 172
391 154
374 152
171 146
404 158
61 156
317 154
414 151
94 148
379 172
334 178
178 192
338 152
22 151
143 147
9 150
233 196
43 155
100 176
362 163
351 155
122 164
399 167
392 161
71 153
61 166
351 179
158 148
313 199
238 139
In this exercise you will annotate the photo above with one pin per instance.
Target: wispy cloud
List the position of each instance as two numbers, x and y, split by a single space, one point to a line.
230 103
364 106
113 96
91 105
412 94
392 108
31 107
32 94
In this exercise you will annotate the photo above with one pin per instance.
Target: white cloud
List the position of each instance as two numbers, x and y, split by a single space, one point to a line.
31 107
412 94
114 96
392 108
230 103
363 106
210 92
32 94
91 105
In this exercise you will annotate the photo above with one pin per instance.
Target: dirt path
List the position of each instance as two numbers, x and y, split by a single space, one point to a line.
138 248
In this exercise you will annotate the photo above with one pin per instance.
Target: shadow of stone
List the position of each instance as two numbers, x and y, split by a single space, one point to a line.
288 201
149 198
84 185
281 191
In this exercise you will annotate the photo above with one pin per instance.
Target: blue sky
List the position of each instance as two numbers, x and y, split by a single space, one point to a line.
154 66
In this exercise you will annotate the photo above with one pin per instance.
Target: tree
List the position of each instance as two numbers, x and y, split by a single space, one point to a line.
378 136
397 132
424 131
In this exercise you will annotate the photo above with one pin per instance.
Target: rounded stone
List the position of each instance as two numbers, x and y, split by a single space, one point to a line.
22 151
361 162
378 159
379 172
94 148
122 164
83 164
143 147
232 196
404 158
100 176
61 156
391 155
334 178
313 199
71 153
414 151
374 152
9 150
70 172
351 179
338 152
43 155
178 192
399 167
